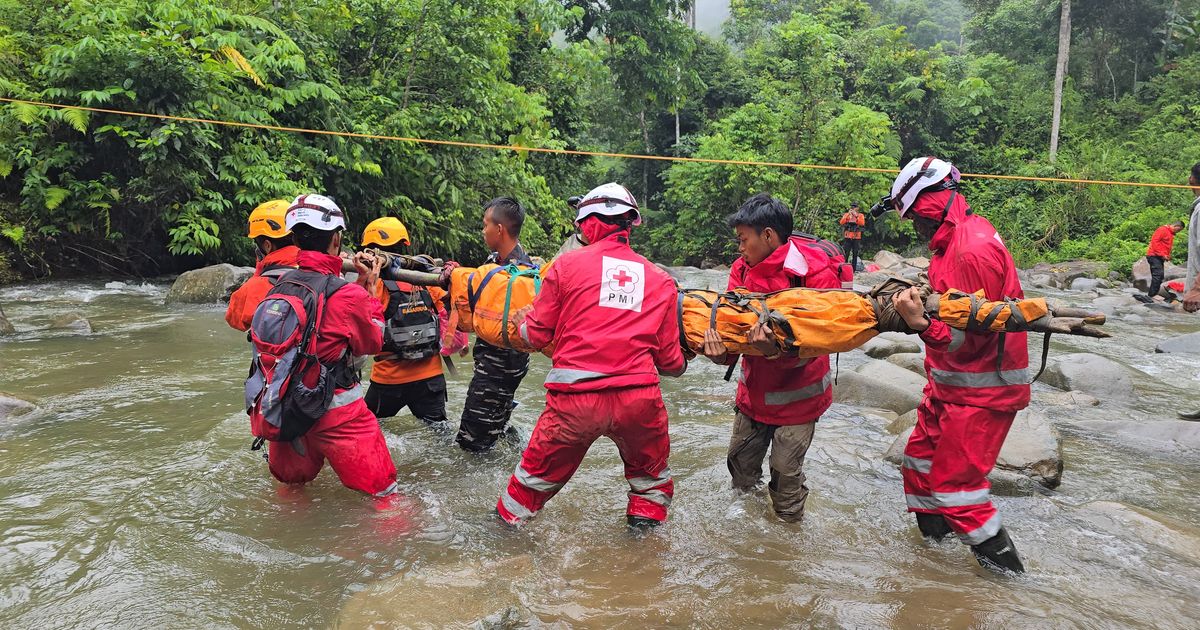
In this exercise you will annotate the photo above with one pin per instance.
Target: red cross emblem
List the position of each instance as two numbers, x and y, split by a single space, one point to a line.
622 279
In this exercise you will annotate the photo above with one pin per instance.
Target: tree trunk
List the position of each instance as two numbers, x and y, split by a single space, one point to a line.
1060 72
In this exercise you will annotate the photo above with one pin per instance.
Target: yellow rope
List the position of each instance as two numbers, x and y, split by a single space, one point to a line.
511 147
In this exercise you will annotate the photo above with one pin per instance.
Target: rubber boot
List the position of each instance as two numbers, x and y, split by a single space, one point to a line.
933 526
641 522
998 554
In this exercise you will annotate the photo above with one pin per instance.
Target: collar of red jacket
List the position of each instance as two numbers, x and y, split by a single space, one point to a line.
320 261
931 206
595 230
282 256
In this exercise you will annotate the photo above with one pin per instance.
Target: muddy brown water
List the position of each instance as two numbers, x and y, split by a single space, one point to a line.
131 500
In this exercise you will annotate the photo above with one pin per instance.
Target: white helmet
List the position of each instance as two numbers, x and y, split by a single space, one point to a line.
917 176
610 200
317 211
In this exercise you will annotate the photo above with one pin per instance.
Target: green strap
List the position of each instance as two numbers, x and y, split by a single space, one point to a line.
515 272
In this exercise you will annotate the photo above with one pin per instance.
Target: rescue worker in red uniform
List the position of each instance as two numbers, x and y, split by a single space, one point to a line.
970 400
409 371
779 398
611 315
350 329
276 255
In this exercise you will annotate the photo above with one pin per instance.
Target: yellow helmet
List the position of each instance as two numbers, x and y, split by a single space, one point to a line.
385 231
268 219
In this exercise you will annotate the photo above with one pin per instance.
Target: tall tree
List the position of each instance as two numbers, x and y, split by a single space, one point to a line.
1060 71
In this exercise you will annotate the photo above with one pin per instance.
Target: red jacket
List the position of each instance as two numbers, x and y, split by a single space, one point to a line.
611 315
353 325
243 301
785 391
1162 242
969 255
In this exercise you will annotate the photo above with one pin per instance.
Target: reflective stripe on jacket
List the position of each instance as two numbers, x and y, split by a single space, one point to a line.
785 391
969 255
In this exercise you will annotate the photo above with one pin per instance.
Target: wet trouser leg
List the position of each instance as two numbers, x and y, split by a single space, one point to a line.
352 442
489 403
640 432
565 431
788 445
1156 274
426 399
946 464
747 448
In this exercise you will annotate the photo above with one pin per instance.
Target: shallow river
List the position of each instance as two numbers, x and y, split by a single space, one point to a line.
132 500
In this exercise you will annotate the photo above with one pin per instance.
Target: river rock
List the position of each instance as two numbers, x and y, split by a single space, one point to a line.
1031 452
1121 521
1060 275
862 390
1084 284
208 284
6 327
903 423
1151 435
886 259
914 363
1064 399
74 322
1189 344
1110 304
13 407
887 344
919 262
865 281
1091 374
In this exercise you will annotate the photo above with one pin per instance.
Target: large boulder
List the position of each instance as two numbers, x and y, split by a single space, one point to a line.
13 407
1085 284
920 262
862 390
1174 272
1188 344
903 423
1111 304
1060 275
1152 436
914 363
208 284
1151 528
1032 452
73 321
1091 374
886 259
887 344
1056 398
1141 275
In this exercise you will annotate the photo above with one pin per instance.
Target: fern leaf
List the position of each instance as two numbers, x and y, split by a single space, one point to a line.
55 196
77 118
238 60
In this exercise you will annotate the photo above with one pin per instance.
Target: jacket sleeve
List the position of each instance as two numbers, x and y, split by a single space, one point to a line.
939 334
541 323
668 356
862 220
362 319
844 219
235 315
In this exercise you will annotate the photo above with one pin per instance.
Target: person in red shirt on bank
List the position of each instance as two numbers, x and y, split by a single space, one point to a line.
779 398
409 371
276 255
970 401
611 315
1157 254
350 330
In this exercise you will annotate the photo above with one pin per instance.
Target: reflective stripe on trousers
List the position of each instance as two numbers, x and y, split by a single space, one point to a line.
567 375
919 465
341 399
534 483
789 396
983 532
979 379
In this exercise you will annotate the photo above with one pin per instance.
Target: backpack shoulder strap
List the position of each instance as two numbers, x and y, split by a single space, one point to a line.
473 296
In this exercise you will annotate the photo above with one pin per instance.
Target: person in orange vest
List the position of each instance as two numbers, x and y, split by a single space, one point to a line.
852 228
276 256
409 371
1157 254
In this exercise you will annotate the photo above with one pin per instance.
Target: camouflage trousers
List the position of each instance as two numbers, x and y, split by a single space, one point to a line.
489 405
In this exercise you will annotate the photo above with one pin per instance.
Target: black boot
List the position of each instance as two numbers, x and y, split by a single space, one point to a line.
998 554
641 522
933 526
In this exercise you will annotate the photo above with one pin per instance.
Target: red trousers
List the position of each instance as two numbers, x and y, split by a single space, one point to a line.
350 438
946 464
634 418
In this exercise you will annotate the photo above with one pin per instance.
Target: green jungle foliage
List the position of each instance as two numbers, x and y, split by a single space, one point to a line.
834 82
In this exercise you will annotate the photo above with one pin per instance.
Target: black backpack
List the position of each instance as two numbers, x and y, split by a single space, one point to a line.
412 330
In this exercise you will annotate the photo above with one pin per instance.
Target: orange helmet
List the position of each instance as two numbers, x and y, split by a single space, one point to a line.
268 219
384 232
